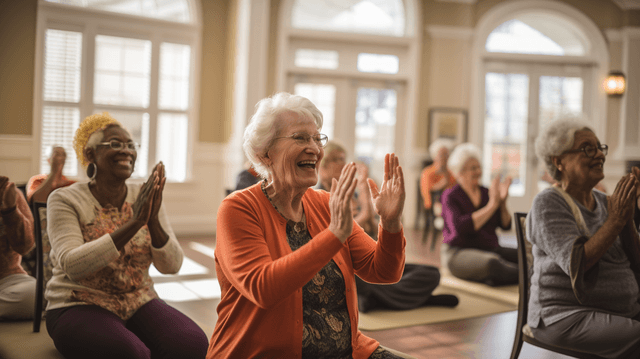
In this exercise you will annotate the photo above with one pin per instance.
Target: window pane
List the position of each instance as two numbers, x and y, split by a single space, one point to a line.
385 64
382 17
559 96
171 147
324 97
536 35
174 76
375 127
505 131
62 63
122 71
59 125
171 10
319 59
137 123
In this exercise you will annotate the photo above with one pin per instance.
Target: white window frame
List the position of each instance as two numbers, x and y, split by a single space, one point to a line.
91 22
596 58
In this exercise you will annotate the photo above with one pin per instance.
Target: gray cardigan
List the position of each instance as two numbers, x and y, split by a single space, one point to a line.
559 288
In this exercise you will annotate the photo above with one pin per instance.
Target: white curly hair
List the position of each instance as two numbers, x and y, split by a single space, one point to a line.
557 137
264 126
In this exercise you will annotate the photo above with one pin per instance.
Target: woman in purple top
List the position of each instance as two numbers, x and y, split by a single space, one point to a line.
471 215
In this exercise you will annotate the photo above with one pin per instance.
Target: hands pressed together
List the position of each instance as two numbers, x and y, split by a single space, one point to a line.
147 205
499 191
622 203
388 201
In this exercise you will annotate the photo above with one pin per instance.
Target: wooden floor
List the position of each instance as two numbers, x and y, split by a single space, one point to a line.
485 337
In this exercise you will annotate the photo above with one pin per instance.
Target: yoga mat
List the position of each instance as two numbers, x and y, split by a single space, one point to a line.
470 306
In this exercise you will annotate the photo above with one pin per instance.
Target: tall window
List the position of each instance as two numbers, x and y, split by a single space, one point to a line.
131 58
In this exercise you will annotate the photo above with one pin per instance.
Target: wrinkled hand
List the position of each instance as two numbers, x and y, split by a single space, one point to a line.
342 191
388 202
621 203
157 199
362 173
504 188
143 206
494 190
8 197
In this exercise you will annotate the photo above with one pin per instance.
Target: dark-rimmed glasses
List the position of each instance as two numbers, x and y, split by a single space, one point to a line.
591 151
303 138
119 145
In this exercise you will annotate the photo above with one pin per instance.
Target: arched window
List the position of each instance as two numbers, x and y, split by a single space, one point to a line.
382 17
536 64
356 60
537 33
135 59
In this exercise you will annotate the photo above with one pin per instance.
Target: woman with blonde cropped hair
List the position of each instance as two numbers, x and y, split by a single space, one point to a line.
105 234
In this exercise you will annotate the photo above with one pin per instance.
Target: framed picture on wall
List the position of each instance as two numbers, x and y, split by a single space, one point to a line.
447 122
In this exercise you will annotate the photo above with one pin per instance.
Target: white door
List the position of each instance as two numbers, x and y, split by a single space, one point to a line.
361 114
519 100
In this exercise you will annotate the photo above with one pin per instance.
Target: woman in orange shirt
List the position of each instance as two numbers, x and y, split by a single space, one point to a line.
286 254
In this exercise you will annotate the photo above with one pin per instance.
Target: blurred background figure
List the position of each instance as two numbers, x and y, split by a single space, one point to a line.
247 177
434 179
418 281
17 288
471 214
40 186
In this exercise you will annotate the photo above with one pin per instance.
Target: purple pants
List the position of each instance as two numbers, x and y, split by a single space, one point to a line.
156 331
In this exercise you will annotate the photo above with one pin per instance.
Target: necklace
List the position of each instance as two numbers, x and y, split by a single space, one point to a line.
297 226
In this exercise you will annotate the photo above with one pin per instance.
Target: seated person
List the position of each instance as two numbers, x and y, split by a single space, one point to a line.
418 281
105 234
17 288
471 214
40 186
246 178
286 254
585 246
437 177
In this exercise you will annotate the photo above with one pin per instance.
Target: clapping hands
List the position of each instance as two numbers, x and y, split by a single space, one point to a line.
499 191
388 201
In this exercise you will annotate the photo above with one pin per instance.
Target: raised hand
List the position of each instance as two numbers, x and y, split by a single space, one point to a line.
342 191
157 200
621 203
143 206
388 202
494 190
504 188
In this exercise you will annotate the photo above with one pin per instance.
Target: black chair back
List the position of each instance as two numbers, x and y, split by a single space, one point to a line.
39 210
525 264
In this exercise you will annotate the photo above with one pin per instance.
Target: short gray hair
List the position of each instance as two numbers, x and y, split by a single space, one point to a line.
557 137
460 155
264 125
439 143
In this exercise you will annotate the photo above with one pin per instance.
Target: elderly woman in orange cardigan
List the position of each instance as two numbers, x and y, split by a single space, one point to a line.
286 254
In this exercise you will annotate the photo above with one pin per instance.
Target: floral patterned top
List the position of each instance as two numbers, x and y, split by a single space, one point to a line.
88 269
325 317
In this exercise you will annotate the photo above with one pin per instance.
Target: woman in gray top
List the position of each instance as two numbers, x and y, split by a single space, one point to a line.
586 254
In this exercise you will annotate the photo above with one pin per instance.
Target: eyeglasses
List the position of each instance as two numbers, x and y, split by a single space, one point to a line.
303 138
119 145
591 151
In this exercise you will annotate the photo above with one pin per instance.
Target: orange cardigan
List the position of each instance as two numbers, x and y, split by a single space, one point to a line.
428 178
260 312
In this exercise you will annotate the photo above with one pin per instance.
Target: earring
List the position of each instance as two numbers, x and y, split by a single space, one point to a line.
92 170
